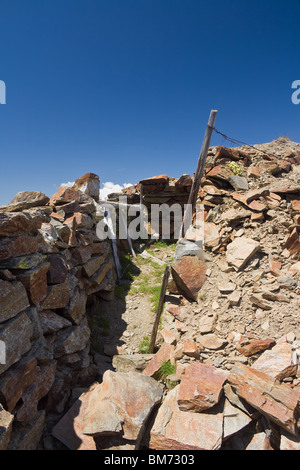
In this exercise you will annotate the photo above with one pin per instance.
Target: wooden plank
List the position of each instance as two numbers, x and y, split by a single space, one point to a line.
123 222
112 237
118 205
160 308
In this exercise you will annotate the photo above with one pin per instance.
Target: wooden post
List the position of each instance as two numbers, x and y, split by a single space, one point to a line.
159 309
199 172
124 225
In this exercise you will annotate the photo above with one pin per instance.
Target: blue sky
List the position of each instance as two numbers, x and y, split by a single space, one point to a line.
124 88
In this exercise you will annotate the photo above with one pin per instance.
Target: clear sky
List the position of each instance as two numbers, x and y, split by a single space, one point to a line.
124 88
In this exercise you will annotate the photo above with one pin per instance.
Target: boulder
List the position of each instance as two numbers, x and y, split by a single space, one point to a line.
174 429
15 223
240 251
20 246
254 346
201 387
189 274
121 404
35 282
279 403
13 299
16 380
16 334
89 184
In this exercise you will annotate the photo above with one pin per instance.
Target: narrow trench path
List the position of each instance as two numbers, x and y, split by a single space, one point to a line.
124 324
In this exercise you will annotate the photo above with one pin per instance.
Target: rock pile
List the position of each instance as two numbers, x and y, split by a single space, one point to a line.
51 263
230 333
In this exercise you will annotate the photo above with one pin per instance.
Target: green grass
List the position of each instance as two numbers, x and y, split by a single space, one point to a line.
165 370
235 168
144 345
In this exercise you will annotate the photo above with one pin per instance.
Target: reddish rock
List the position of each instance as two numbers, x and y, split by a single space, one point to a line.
257 216
253 172
174 429
14 223
69 429
248 347
272 200
293 242
279 403
121 404
13 299
184 182
163 355
274 361
20 246
35 282
201 387
219 172
65 195
189 274
257 206
16 334
190 348
89 184
154 184
58 269
240 251
30 399
272 168
228 153
30 199
211 341
58 296
16 380
256 194
275 266
211 234
296 205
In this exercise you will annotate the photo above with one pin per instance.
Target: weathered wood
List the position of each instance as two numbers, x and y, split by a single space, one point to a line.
112 237
160 308
118 205
124 225
190 208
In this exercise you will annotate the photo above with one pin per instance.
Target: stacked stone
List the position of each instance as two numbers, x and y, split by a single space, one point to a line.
51 263
158 190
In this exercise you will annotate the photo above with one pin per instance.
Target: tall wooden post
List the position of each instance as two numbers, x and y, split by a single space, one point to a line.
159 309
199 173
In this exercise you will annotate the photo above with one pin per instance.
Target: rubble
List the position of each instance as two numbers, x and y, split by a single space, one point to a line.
229 331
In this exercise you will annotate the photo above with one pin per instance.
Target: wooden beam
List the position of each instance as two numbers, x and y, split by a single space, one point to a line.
188 215
159 309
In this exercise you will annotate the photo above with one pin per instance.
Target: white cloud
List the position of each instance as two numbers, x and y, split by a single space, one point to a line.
107 188
110 187
68 185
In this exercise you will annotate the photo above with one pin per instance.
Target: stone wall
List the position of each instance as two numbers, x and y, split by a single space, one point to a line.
51 266
159 190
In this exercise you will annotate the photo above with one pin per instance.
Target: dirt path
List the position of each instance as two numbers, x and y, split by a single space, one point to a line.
124 325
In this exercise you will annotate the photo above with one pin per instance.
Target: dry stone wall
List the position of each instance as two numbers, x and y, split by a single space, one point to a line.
51 265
